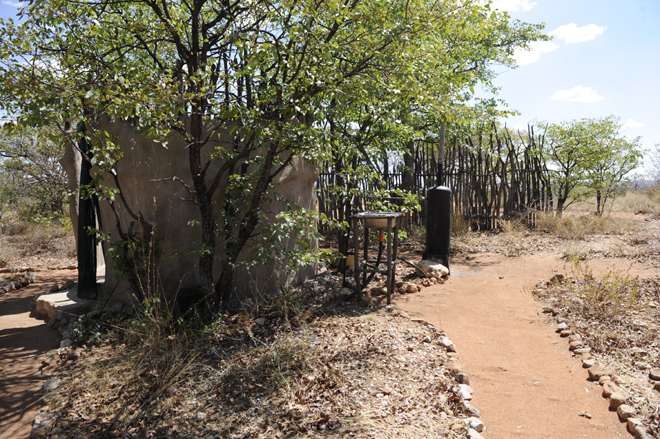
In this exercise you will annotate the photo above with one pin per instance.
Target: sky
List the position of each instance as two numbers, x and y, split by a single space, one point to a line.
604 60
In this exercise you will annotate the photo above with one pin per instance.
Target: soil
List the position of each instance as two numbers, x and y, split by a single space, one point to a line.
24 340
526 382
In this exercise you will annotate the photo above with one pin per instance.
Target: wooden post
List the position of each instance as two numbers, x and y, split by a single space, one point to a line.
356 254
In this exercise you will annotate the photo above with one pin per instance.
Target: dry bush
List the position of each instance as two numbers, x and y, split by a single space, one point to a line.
8 253
515 225
579 226
636 202
460 227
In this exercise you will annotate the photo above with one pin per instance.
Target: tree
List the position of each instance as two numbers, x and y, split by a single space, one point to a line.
32 181
265 72
589 157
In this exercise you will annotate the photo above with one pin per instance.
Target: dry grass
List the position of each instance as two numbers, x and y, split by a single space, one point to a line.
636 202
616 315
329 369
35 245
578 226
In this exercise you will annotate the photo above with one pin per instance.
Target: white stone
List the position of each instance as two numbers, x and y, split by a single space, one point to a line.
52 384
562 327
65 343
465 392
447 343
476 424
433 269
473 434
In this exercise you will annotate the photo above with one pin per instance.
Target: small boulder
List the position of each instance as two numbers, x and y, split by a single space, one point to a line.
433 269
453 367
595 373
625 411
609 388
475 424
654 374
562 327
51 385
470 409
473 434
465 392
617 399
463 378
588 363
448 344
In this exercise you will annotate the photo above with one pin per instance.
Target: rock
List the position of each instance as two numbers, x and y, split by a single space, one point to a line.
42 424
260 321
595 373
557 278
51 385
51 322
472 410
68 284
574 345
453 367
404 314
617 399
463 378
448 344
657 387
642 433
604 379
465 392
618 380
562 327
582 351
387 390
609 388
575 337
458 427
200 416
344 292
433 269
409 288
71 267
654 374
587 356
9 287
65 343
642 366
566 333
588 363
632 424
378 291
426 283
30 276
473 434
625 411
475 424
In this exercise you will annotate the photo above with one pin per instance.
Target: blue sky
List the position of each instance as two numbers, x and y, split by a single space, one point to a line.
604 60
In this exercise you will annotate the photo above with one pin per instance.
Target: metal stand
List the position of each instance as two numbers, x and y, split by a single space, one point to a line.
382 221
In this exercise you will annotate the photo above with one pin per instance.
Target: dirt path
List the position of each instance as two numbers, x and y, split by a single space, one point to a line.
24 339
526 383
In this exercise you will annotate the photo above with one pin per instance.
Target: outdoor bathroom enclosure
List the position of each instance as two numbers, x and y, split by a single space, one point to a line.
146 175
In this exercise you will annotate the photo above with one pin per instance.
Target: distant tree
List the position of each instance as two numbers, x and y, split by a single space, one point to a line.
589 157
32 182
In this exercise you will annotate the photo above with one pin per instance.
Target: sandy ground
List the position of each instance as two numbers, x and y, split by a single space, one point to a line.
24 339
526 383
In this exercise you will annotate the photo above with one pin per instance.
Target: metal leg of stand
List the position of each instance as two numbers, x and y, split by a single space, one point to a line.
356 256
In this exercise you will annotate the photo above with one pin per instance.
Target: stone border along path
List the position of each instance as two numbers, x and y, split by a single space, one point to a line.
524 381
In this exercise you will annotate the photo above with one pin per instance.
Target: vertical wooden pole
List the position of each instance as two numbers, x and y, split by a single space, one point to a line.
389 260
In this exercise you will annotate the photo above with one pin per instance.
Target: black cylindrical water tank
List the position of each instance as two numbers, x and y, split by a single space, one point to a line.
438 224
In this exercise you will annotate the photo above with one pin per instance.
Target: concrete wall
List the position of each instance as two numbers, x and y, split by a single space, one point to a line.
162 203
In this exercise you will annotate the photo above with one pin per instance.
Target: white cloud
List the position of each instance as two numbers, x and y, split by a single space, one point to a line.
631 123
536 48
571 33
14 4
513 5
579 93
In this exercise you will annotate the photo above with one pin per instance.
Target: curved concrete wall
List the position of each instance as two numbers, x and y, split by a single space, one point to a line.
162 204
